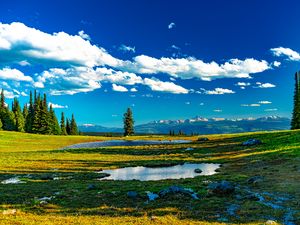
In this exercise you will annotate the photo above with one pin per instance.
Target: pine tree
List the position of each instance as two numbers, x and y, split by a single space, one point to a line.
62 124
36 121
2 99
19 119
295 123
45 127
128 123
55 129
29 117
73 126
68 127
7 117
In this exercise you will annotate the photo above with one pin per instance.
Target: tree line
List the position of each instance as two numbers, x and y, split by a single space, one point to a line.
35 117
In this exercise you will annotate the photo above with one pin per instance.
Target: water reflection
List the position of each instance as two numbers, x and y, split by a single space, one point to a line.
173 172
112 143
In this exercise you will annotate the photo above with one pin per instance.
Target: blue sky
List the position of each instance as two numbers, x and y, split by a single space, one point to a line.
165 59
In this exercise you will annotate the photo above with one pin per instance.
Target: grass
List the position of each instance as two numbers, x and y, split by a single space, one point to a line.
36 160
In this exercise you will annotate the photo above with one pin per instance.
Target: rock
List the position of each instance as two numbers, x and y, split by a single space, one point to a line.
255 180
189 149
202 139
9 212
132 194
198 170
91 187
251 142
221 188
178 190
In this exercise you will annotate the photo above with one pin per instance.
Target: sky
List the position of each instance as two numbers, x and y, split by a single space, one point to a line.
164 59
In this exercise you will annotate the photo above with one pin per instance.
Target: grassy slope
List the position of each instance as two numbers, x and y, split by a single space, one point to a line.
277 160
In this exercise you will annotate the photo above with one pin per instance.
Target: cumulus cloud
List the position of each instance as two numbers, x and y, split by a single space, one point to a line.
119 88
289 53
265 85
125 48
264 102
19 42
219 91
57 106
133 90
13 74
157 85
187 68
242 84
276 64
171 25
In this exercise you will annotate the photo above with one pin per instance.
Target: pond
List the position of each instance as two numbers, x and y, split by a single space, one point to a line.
114 143
186 170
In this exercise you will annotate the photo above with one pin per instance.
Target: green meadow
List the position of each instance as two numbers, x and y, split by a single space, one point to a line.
38 159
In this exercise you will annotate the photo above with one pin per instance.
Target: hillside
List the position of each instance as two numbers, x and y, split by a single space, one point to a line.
61 186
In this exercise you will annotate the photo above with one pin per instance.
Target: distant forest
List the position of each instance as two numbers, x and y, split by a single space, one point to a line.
35 117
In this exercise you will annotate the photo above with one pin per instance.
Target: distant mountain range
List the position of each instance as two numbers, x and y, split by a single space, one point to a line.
201 125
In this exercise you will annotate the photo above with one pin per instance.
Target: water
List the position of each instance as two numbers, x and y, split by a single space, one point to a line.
162 173
113 143
13 180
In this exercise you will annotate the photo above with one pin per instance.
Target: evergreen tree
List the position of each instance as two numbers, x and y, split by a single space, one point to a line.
62 124
19 119
55 129
30 116
128 123
68 127
73 126
45 127
36 121
2 99
295 123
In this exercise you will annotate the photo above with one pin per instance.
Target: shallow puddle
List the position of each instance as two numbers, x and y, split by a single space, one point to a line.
113 143
186 170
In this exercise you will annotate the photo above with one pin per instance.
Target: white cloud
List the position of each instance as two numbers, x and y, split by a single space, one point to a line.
175 47
264 102
125 48
276 64
84 35
250 105
187 103
24 63
57 106
171 25
265 85
201 104
13 75
157 85
270 110
291 54
19 42
187 68
217 110
242 84
10 94
219 91
133 90
119 88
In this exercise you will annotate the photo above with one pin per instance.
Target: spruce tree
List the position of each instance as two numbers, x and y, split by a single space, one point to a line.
7 117
45 127
62 124
29 117
73 126
68 127
128 123
55 129
295 123
19 119
36 121
2 99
